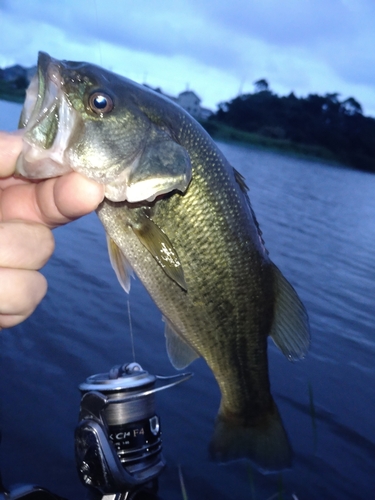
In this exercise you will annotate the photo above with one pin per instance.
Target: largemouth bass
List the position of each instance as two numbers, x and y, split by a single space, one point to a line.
178 215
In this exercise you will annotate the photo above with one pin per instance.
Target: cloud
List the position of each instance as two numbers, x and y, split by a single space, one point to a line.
296 22
301 45
173 28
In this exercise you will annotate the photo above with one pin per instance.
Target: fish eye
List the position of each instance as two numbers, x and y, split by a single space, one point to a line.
100 103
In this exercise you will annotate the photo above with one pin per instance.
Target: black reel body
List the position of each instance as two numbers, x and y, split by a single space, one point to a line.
118 439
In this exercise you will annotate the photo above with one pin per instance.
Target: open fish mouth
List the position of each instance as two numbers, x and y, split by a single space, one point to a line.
48 119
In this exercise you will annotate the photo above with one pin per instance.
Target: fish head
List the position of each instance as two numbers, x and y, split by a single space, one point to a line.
78 116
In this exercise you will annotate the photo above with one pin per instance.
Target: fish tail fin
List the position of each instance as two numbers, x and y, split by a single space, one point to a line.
265 444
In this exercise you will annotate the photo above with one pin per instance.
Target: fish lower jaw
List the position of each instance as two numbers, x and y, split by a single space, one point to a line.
38 163
42 169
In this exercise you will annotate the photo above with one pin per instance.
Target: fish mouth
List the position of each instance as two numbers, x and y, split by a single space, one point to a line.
48 119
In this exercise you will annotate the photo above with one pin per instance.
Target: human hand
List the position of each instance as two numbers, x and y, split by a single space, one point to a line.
28 212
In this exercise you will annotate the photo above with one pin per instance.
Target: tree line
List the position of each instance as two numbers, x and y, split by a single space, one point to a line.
325 121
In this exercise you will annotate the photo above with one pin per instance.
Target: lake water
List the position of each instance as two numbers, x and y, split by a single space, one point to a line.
318 223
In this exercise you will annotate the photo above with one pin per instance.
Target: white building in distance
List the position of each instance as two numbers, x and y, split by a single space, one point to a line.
189 101
192 104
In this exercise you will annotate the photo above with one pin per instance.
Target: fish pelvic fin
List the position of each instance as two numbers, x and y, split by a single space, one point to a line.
120 264
180 353
161 248
265 444
290 329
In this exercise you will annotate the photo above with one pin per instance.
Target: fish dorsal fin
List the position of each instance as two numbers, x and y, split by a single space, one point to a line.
163 166
120 265
240 179
290 330
160 247
180 353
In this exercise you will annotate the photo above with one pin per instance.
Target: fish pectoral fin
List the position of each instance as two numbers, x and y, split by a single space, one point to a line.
164 166
160 247
290 329
180 353
120 264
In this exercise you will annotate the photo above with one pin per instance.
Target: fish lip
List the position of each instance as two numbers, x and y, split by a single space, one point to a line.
45 95
36 92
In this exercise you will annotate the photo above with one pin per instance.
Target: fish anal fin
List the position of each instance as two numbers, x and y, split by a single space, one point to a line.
161 248
290 329
265 444
120 264
180 353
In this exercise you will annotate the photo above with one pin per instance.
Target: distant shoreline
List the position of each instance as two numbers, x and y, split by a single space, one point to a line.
17 95
224 133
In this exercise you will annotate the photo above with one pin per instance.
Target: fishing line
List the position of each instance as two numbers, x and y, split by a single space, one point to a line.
98 40
131 331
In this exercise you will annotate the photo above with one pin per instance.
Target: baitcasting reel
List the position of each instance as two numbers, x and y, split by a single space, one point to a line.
118 439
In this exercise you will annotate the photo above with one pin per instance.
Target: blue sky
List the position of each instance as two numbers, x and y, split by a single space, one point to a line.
216 48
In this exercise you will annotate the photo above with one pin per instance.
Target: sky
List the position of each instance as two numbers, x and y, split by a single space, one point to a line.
217 48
